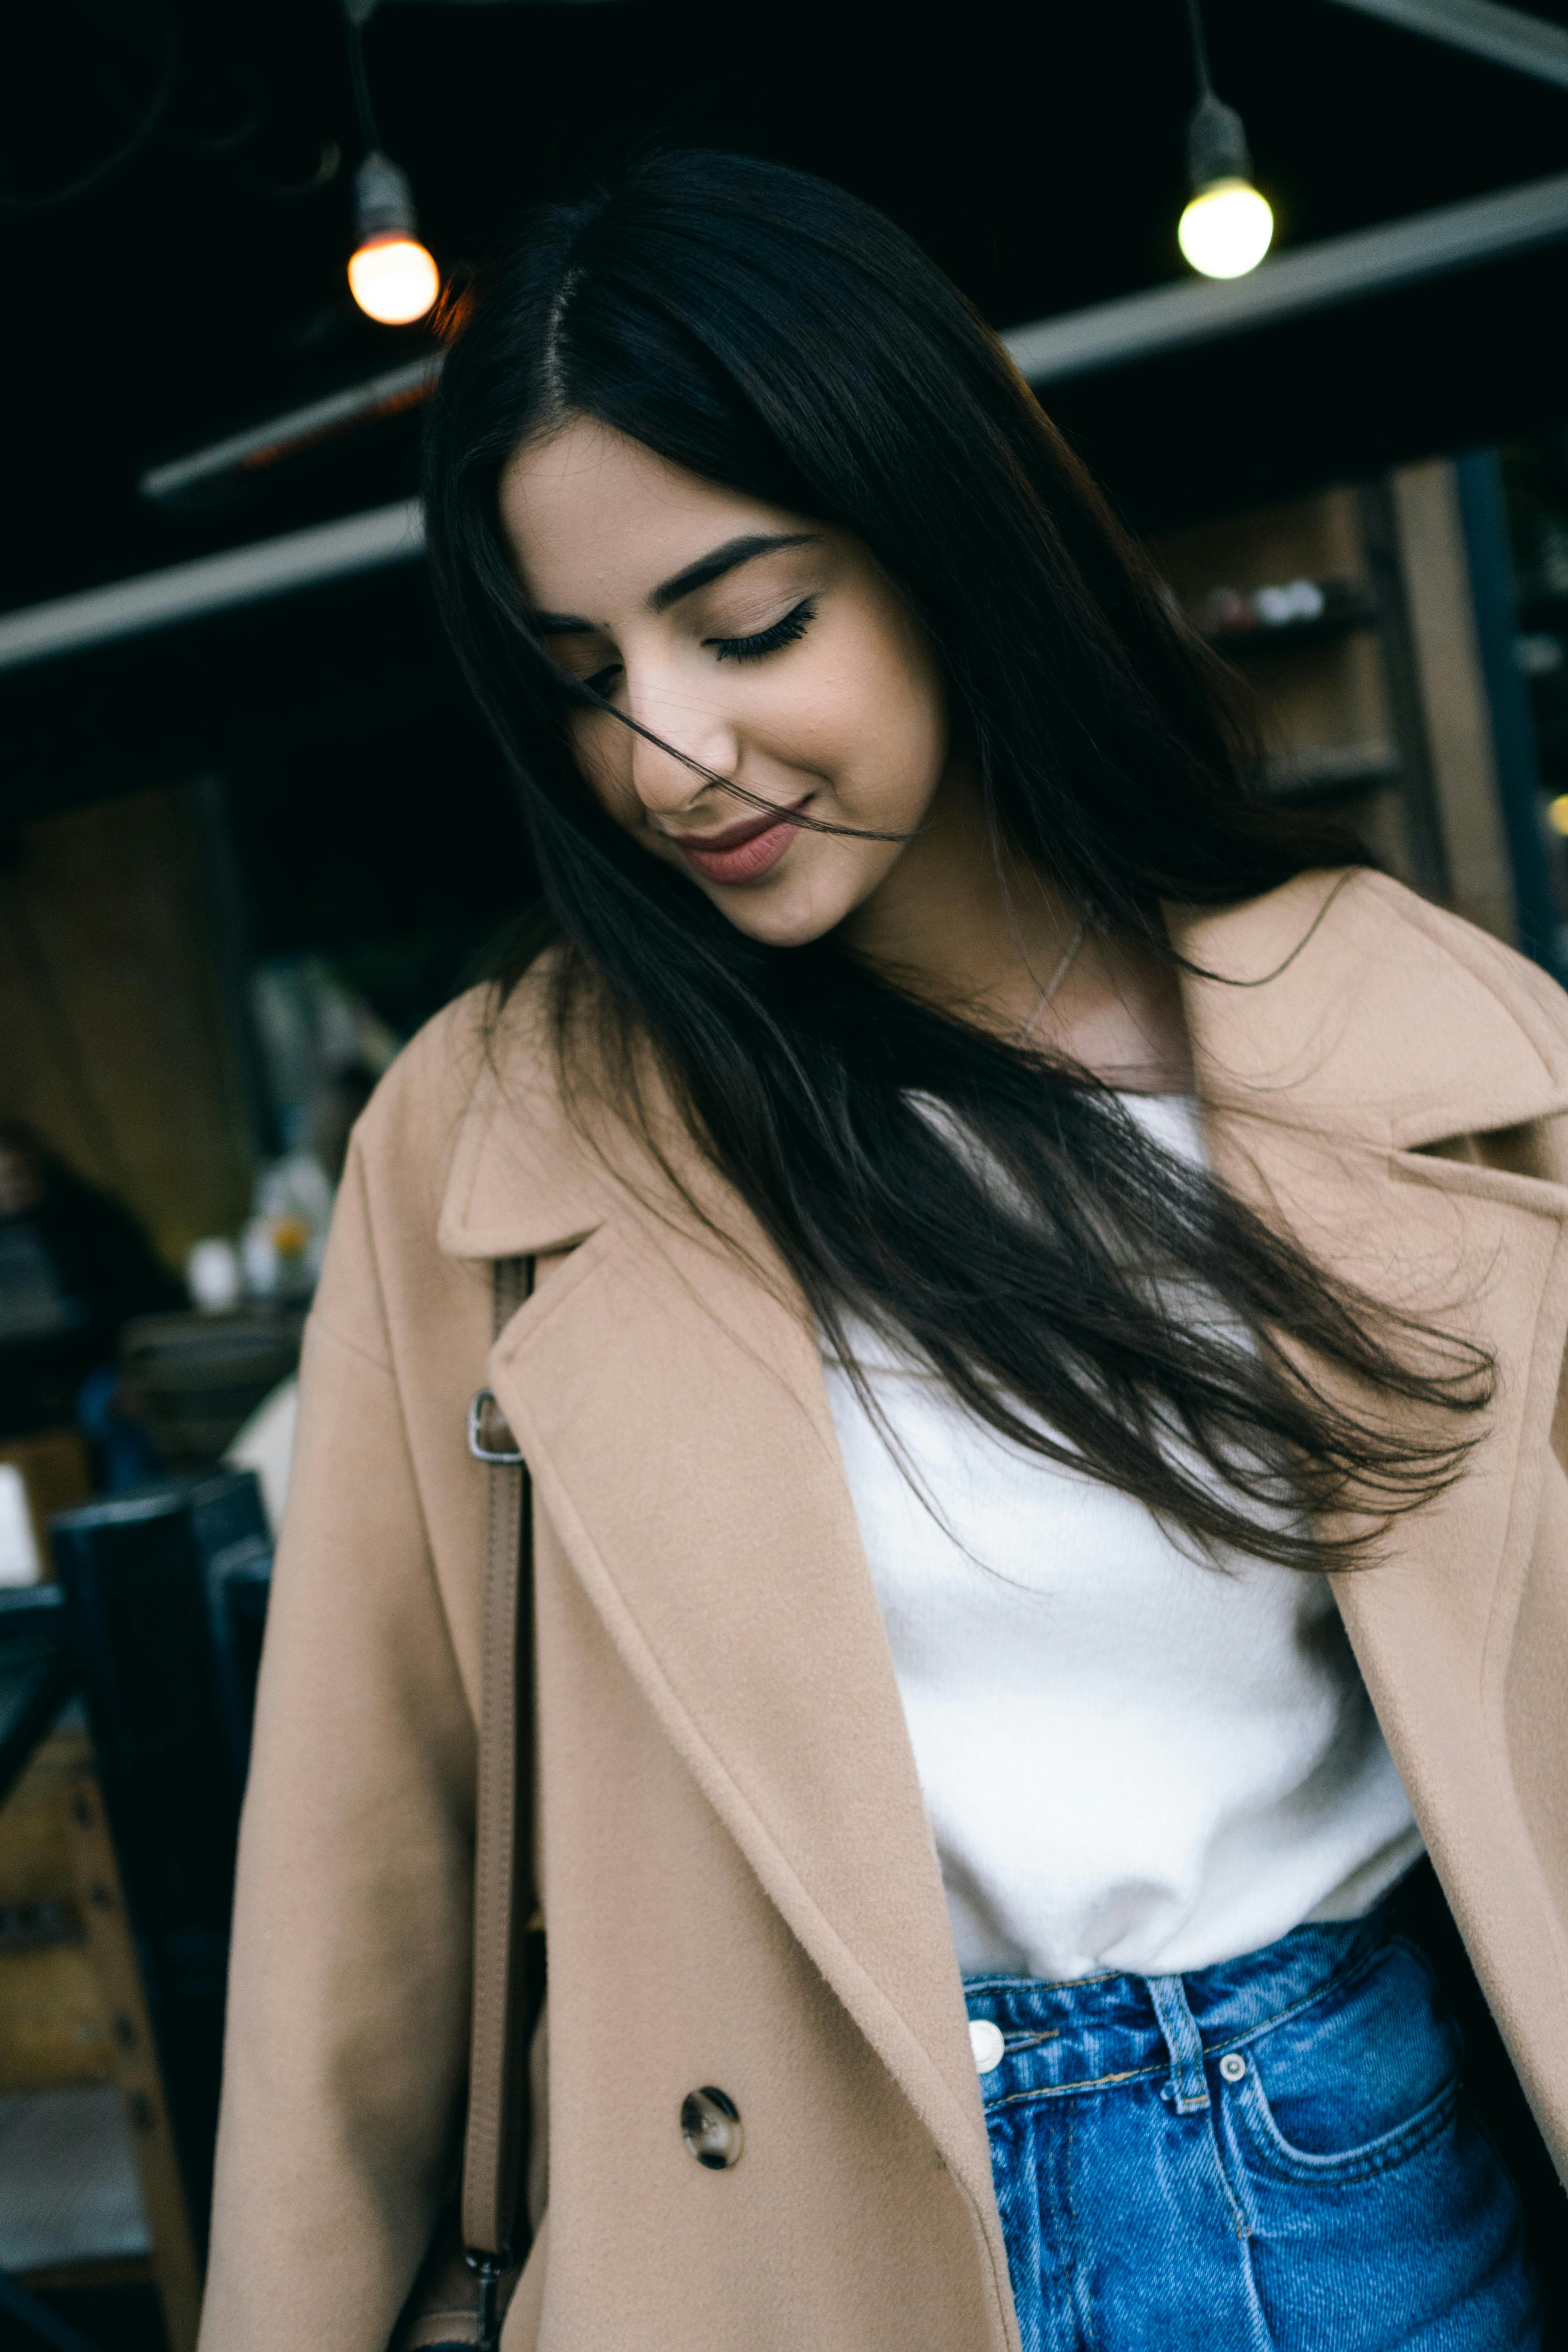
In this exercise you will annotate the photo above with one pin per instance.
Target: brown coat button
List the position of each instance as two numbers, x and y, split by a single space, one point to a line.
711 2127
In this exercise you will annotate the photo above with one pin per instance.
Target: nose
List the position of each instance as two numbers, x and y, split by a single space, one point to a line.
681 732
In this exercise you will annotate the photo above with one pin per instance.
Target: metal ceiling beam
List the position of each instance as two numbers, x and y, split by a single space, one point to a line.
215 583
1305 279
302 428
1507 37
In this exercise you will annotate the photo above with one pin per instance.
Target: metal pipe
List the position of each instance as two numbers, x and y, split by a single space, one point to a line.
1311 277
246 575
1506 37
284 436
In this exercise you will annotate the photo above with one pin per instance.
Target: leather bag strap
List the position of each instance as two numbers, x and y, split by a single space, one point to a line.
503 1876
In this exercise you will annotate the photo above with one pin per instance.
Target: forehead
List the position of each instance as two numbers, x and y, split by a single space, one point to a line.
595 520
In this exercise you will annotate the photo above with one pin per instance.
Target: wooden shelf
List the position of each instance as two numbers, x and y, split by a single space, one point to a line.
1317 604
1289 636
1316 777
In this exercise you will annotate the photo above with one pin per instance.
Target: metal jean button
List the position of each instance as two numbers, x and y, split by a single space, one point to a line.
711 2127
1233 2066
986 2042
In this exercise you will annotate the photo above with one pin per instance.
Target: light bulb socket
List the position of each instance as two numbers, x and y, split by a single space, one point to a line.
1217 143
383 199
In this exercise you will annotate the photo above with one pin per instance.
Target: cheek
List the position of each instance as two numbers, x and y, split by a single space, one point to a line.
855 710
890 716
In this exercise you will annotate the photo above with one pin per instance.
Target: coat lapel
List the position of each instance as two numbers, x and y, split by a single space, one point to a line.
723 1554
1324 1092
666 1389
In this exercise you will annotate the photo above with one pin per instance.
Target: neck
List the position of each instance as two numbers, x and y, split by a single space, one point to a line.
965 922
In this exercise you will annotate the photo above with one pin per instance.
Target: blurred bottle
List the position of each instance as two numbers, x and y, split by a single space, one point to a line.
282 1246
213 1277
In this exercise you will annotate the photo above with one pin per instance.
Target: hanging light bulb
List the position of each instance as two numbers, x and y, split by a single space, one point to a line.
392 276
1227 227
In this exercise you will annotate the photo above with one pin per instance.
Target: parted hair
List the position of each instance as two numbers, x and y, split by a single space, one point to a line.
1078 1289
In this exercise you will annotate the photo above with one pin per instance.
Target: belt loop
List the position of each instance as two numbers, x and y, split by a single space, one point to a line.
1182 2040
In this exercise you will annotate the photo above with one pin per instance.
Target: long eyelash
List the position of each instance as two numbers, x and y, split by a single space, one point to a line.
792 626
767 641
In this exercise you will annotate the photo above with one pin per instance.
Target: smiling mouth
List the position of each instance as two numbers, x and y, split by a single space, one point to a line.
742 852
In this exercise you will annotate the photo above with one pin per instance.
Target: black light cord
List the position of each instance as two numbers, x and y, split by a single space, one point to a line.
361 80
1200 49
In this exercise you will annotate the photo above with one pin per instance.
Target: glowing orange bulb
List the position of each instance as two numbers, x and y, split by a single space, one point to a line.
393 278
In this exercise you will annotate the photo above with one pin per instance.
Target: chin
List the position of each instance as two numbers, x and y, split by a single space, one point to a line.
778 920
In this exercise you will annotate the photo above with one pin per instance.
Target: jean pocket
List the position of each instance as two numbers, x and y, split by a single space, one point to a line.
1358 2082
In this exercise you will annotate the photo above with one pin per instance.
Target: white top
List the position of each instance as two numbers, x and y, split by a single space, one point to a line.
1131 1758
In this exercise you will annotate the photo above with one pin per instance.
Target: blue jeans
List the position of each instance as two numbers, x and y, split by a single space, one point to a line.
1271 2155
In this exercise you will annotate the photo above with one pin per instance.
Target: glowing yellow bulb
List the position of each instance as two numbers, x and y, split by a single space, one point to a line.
1226 229
394 279
1557 813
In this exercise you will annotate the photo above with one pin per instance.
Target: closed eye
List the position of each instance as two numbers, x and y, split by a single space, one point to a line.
793 625
785 631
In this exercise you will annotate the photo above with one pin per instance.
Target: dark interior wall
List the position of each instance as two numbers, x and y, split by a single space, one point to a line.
115 1039
369 818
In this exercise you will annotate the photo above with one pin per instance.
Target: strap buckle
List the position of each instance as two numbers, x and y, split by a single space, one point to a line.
489 2270
490 1438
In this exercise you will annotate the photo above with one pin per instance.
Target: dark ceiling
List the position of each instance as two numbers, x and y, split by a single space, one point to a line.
1036 151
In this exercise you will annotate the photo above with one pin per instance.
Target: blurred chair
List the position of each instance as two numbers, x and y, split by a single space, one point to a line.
37 1673
150 1626
239 1581
157 1619
93 2200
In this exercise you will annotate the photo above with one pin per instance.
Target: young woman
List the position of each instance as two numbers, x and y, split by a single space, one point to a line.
1049 1297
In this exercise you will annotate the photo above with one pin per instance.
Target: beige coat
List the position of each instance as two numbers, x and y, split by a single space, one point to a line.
738 1881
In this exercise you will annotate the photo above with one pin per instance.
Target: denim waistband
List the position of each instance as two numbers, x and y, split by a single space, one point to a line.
1095 2032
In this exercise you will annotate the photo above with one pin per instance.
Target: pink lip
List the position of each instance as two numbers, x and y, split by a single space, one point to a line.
742 852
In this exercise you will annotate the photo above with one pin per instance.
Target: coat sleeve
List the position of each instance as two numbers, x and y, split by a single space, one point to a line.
349 1989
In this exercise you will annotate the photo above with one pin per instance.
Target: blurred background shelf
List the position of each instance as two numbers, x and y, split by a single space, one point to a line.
1373 666
1285 615
1326 777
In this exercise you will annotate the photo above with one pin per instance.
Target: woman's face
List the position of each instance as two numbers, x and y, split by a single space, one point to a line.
766 647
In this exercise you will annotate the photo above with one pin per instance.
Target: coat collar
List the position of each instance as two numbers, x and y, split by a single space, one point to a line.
523 1179
1340 1026
1344 1004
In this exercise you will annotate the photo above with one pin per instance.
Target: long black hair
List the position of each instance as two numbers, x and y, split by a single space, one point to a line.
768 332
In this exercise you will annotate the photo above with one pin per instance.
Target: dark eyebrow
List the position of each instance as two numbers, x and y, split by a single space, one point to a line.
722 558
700 574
